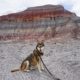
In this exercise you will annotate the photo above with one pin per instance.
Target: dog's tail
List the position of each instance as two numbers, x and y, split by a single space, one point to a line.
15 70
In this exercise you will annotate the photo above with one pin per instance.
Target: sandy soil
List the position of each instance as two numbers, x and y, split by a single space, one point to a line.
61 58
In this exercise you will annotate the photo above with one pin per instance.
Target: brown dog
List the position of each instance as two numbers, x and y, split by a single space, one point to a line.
33 60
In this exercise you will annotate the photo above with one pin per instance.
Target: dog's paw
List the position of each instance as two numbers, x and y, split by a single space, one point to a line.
42 68
26 70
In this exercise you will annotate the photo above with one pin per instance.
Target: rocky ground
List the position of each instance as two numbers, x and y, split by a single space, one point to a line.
61 58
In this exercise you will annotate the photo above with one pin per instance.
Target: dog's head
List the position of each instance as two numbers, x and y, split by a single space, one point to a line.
40 46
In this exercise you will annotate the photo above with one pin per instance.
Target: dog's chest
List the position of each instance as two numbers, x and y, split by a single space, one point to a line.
35 58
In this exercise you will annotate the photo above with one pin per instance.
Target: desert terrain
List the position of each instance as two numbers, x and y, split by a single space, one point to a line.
62 58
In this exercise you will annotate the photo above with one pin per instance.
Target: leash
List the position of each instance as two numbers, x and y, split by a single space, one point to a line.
53 76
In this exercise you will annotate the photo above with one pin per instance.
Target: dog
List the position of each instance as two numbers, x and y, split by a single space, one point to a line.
33 61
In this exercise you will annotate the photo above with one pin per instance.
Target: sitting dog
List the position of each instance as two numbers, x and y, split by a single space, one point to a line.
33 60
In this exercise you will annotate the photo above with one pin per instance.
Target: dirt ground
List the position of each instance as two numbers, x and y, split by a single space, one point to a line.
61 58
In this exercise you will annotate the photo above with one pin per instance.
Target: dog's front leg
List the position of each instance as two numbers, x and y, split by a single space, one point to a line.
42 66
39 67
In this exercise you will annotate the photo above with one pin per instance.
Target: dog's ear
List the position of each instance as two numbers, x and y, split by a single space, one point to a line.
40 41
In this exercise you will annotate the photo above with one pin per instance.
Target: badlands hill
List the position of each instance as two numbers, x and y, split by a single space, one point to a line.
48 21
